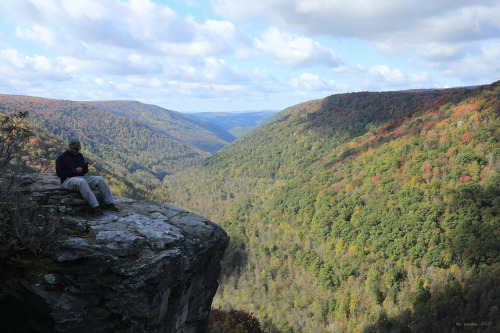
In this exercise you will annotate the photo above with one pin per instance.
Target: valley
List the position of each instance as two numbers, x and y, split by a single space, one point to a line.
236 123
358 212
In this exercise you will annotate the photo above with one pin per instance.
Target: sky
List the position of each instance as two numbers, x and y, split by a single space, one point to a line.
234 55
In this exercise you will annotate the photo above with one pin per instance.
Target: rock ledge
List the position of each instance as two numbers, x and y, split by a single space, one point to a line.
149 267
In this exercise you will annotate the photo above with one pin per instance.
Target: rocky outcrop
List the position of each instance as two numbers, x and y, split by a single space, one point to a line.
149 267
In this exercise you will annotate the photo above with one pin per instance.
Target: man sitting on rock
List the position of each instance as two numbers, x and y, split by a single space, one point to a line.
71 168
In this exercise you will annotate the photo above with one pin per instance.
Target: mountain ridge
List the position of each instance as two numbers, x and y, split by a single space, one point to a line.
236 123
176 125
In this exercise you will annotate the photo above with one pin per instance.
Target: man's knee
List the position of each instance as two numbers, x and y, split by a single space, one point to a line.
72 183
98 179
98 182
81 184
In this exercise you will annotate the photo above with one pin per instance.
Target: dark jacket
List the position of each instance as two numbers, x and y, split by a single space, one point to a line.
66 165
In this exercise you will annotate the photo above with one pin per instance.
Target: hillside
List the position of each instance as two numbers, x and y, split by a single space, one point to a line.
122 145
178 126
361 212
236 123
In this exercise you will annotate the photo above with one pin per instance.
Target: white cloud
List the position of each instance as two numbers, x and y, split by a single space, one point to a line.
146 50
16 66
134 25
358 77
37 33
294 50
244 10
210 38
432 51
383 71
370 19
397 26
25 75
312 82
94 10
111 64
483 66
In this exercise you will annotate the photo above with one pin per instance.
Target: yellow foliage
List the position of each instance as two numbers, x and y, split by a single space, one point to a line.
339 246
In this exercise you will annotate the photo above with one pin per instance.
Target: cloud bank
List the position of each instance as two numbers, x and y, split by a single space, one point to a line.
240 55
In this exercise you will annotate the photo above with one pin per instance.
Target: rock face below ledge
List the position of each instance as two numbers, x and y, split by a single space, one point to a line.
149 267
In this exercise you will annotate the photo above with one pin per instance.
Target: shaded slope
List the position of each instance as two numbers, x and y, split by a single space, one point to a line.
178 126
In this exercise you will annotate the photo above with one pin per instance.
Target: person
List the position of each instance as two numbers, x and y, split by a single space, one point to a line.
71 168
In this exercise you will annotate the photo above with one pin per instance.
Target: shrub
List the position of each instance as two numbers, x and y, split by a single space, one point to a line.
24 230
25 227
234 321
14 134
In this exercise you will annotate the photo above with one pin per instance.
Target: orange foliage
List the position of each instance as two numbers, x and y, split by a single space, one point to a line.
466 107
465 179
476 116
427 168
467 137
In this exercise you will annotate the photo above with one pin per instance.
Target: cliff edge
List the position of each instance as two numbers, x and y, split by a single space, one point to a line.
149 267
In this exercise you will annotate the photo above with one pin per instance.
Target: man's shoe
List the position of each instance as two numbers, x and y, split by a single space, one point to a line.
96 211
110 206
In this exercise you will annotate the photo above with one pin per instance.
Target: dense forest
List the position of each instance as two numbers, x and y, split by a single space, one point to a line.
178 126
361 212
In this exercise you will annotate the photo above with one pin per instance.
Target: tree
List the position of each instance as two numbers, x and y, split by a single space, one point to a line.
24 227
14 134
233 322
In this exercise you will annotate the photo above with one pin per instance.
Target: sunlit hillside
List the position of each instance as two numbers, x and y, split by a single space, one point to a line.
361 212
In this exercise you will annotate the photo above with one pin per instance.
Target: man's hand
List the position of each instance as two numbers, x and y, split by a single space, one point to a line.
79 170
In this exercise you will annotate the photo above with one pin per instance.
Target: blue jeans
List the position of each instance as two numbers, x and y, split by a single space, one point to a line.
84 184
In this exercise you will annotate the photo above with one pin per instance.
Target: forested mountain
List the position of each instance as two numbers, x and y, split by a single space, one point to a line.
178 126
122 145
236 123
362 212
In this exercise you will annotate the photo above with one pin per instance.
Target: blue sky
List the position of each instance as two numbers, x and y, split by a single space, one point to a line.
233 55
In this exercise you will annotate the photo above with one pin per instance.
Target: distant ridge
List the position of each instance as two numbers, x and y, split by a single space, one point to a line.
430 89
176 125
237 123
